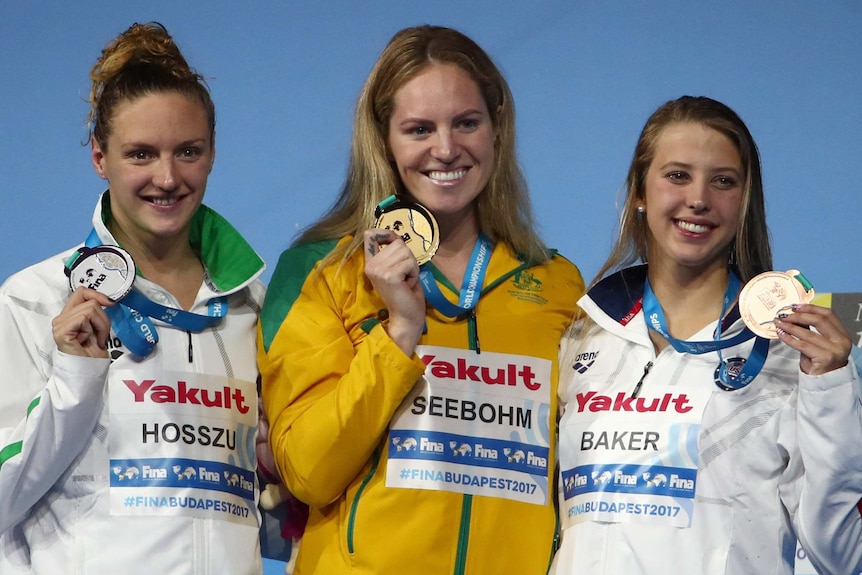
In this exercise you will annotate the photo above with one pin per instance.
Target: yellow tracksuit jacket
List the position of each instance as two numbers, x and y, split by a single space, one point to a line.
333 380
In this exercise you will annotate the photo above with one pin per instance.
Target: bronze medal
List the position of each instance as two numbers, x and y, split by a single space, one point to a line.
769 294
414 224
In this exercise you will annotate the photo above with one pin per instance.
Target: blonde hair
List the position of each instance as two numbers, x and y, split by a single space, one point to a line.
142 60
751 249
504 207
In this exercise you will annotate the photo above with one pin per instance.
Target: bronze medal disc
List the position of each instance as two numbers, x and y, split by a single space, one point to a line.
415 225
769 294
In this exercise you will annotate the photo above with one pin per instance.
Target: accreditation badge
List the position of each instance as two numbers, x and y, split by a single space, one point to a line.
769 294
110 270
413 223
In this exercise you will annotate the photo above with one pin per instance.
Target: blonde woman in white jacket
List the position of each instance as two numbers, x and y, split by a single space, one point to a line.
128 406
687 445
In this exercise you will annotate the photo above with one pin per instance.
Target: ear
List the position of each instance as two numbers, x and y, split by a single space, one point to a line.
97 156
212 152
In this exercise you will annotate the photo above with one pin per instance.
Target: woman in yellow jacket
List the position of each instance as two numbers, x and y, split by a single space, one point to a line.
413 402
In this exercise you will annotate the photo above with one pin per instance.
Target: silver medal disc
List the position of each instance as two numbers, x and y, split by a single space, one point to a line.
107 269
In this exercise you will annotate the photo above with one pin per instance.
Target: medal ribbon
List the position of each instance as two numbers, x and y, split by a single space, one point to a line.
130 317
655 320
470 287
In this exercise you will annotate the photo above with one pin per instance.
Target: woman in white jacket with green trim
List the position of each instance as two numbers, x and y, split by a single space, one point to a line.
127 423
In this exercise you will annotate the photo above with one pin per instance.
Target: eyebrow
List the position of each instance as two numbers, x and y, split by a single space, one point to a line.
686 166
459 116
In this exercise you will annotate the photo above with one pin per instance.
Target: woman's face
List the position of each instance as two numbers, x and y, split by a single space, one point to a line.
441 139
693 197
157 161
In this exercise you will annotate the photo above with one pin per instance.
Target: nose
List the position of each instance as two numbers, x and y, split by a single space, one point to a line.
165 175
698 196
445 147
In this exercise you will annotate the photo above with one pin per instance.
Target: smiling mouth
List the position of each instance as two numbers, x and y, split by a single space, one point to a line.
163 201
448 176
693 228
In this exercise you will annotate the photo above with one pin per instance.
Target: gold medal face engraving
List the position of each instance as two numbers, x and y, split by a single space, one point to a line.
767 295
415 225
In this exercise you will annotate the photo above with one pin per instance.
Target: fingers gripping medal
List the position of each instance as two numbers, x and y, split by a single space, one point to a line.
413 223
769 294
109 270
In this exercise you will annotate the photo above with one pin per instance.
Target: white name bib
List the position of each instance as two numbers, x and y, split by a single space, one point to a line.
625 459
476 424
182 444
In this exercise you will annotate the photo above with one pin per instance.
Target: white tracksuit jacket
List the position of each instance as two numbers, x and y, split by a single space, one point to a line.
777 459
137 465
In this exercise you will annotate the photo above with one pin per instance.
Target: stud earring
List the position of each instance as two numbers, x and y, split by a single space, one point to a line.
641 210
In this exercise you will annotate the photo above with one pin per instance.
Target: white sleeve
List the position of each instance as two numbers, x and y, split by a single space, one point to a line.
49 405
829 435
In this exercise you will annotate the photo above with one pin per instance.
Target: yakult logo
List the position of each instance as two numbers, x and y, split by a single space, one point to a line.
592 401
511 374
181 392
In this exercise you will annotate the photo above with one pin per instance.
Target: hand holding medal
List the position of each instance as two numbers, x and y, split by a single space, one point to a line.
82 328
775 305
404 235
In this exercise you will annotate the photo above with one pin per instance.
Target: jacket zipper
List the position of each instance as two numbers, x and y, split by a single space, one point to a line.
351 518
463 535
473 331
640 382
191 355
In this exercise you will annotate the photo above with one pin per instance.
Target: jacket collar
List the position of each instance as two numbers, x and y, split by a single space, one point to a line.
229 260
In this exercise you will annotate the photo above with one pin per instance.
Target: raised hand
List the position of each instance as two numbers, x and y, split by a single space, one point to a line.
393 271
824 348
83 327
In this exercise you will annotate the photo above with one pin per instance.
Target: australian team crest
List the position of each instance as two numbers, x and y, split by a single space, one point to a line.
524 280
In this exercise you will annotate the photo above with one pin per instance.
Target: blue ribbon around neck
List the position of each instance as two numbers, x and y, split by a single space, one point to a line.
471 286
655 320
130 317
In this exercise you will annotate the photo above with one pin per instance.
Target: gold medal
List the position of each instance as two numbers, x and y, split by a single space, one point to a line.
413 223
769 294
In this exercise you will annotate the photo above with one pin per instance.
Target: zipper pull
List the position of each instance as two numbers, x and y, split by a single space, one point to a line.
475 329
191 357
640 382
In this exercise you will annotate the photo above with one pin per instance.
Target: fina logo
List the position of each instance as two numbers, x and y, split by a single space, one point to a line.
129 473
187 473
407 445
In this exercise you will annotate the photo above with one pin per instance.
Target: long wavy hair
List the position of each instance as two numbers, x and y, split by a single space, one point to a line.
505 213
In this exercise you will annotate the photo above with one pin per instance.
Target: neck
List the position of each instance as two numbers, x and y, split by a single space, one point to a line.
170 263
689 301
457 239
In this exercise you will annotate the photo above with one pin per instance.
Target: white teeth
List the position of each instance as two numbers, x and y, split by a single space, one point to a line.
164 201
447 176
693 228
